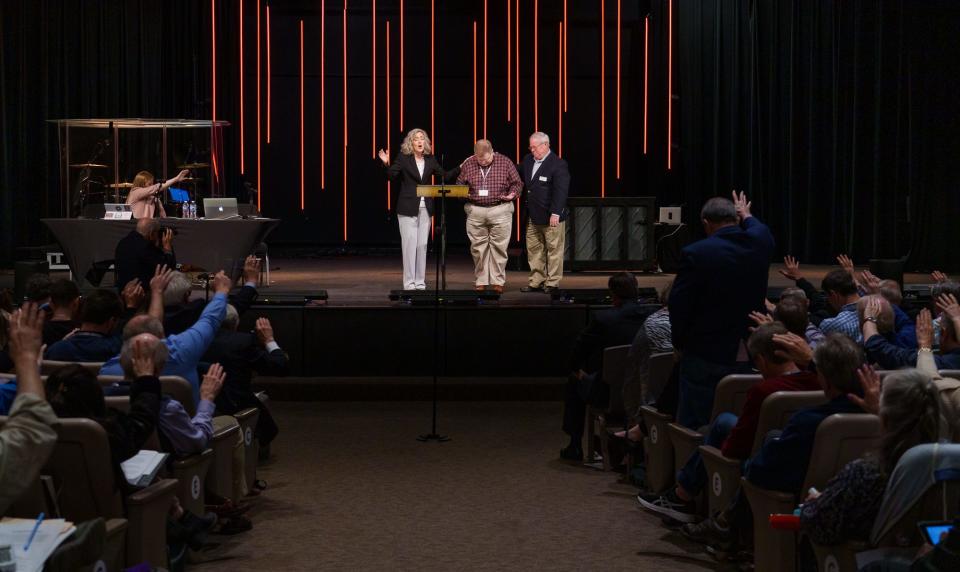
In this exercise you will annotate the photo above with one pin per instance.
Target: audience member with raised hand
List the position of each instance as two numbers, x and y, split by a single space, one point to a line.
186 348
890 356
721 279
142 250
939 277
909 409
817 304
181 434
180 312
27 438
158 285
842 296
242 354
732 434
102 315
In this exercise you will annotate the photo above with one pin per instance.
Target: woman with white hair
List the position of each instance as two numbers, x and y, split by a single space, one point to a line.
415 165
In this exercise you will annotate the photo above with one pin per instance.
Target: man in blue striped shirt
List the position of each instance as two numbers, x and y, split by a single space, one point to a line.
842 296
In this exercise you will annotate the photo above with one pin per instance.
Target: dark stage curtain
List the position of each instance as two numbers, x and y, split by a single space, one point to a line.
838 118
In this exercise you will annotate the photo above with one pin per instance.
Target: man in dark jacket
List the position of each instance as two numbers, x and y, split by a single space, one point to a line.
721 279
139 253
546 180
614 327
241 354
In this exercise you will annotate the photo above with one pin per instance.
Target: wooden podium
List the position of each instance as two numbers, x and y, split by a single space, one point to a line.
442 192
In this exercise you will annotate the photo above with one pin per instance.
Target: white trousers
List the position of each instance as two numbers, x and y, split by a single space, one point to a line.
414 231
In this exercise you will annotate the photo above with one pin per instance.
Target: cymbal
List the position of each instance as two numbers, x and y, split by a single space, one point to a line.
194 166
191 179
120 185
88 166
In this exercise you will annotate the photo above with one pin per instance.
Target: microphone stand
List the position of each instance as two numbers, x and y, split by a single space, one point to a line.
439 283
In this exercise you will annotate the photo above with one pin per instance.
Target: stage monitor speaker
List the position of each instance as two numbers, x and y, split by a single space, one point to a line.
609 234
447 297
23 271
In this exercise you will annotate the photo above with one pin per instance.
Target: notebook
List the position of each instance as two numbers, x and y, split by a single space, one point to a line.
51 533
141 469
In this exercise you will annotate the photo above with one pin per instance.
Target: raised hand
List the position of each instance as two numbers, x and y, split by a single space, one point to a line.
142 358
939 277
212 382
870 382
924 329
791 268
131 291
759 318
222 283
947 303
251 269
870 282
167 239
793 348
873 308
161 279
26 334
264 331
742 205
846 263
384 156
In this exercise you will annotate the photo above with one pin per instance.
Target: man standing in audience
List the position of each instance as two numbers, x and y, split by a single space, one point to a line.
732 434
547 181
721 279
494 183
27 438
842 295
586 386
141 251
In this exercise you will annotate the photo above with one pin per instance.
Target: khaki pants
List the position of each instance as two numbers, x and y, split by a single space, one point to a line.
489 231
240 487
545 254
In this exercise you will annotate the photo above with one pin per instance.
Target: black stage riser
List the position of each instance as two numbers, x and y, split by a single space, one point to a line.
489 341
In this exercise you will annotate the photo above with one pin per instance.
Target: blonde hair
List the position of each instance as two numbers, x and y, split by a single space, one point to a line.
407 146
143 179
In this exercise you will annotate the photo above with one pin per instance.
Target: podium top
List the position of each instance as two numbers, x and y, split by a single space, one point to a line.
456 191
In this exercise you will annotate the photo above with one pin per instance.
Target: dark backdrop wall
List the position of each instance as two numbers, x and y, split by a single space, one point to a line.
836 117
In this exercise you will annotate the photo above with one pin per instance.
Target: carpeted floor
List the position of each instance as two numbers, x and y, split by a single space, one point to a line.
351 489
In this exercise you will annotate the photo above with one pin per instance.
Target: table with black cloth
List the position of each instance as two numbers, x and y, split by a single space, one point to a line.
211 245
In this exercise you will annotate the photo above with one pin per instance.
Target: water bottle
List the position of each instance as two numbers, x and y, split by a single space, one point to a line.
193 209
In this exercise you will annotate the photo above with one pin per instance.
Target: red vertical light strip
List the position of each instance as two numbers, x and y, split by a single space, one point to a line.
401 65
259 93
646 65
603 98
389 135
242 154
323 94
345 100
618 88
516 89
566 35
670 85
486 48
474 81
433 132
560 88
302 182
269 75
373 98
509 32
536 65
213 86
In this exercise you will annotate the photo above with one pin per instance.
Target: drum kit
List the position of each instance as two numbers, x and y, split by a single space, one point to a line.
93 189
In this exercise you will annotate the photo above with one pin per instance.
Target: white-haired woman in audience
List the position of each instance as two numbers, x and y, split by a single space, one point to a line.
910 413
414 166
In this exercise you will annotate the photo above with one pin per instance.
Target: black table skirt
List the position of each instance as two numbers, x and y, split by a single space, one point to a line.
208 244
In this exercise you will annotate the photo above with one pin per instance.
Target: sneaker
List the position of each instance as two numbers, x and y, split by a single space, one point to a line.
709 532
669 505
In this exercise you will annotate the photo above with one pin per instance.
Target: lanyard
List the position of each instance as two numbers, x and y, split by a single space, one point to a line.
484 175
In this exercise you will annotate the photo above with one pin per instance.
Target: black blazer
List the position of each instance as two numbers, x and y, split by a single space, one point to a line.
547 192
404 171
136 257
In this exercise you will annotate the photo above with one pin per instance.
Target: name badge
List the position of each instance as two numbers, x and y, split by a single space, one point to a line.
542 178
483 192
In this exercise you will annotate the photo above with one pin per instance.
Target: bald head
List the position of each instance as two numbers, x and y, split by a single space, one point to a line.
143 324
152 348
147 226
483 152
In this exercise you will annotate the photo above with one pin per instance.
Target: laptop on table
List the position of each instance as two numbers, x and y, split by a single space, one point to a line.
220 208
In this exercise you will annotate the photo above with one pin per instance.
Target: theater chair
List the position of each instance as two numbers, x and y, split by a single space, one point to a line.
729 397
723 472
248 425
896 524
83 478
190 470
599 423
840 438
951 373
49 366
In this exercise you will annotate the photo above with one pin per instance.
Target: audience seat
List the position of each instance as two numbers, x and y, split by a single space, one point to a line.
599 422
659 368
248 425
951 373
840 439
49 366
724 473
84 479
729 397
896 524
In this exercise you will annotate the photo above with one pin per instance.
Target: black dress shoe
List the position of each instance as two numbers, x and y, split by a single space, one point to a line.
572 453
532 289
550 289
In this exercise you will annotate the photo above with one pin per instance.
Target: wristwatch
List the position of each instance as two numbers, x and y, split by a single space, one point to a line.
870 319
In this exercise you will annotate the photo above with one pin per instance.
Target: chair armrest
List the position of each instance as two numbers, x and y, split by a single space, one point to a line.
147 511
714 455
227 432
774 501
677 430
163 488
193 460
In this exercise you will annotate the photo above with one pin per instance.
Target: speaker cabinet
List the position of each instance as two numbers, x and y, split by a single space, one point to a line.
609 233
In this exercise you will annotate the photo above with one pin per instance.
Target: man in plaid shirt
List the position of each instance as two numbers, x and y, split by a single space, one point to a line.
494 184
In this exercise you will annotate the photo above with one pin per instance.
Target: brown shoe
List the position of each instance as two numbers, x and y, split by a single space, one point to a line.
479 288
498 288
